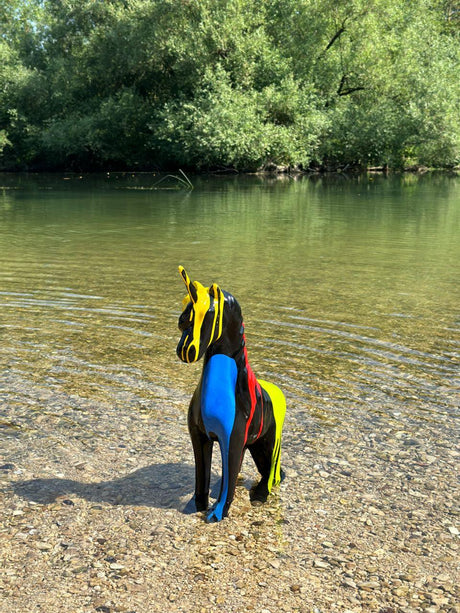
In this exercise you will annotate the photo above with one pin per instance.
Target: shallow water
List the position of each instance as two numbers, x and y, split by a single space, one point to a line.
349 288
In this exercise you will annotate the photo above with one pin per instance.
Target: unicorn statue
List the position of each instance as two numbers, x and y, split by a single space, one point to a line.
229 405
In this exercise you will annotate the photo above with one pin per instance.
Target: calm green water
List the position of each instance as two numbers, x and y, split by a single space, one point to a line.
349 287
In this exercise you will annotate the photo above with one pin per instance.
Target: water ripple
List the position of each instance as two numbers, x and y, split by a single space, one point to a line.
390 350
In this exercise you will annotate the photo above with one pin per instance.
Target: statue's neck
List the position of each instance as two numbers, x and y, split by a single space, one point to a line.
232 343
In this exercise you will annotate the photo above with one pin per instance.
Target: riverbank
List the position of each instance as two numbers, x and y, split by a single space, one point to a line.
92 518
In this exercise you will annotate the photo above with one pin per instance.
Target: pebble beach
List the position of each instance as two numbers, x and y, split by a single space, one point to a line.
95 516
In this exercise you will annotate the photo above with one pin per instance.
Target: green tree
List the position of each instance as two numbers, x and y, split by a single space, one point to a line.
239 83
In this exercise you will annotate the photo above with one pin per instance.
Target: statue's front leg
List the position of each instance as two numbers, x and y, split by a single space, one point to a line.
232 455
202 449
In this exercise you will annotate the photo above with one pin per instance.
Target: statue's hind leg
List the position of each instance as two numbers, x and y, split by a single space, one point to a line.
262 452
267 450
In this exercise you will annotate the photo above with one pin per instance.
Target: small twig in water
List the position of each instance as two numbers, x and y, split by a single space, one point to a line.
184 181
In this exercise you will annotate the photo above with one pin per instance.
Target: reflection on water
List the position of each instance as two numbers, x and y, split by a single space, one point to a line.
349 289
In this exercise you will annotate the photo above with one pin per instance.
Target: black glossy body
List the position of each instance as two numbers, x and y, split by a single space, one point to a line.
228 405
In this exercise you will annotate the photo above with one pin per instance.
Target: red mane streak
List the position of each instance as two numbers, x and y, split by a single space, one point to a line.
253 385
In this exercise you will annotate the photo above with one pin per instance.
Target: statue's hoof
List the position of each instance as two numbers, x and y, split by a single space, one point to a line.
258 494
212 518
200 502
215 513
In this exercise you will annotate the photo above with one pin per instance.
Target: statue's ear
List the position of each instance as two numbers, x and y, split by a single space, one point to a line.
188 284
218 295
215 291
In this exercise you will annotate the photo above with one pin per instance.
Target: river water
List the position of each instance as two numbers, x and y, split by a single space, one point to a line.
349 288
350 291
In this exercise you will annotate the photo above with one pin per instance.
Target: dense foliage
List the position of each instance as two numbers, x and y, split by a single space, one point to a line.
199 84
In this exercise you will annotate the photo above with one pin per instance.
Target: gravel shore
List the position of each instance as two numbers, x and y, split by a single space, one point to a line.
94 517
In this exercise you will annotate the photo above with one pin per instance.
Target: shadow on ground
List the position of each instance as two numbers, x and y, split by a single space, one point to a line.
158 485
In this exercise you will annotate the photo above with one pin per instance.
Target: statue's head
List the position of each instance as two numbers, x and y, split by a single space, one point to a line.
201 320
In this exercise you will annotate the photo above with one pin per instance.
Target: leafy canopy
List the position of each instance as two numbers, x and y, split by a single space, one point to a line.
236 83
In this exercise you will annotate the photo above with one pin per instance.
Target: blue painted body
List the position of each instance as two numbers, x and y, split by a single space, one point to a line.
218 409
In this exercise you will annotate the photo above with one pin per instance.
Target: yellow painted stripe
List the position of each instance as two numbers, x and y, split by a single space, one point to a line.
216 292
279 411
200 297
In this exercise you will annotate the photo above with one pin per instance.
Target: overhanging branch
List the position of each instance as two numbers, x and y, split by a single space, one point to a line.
346 91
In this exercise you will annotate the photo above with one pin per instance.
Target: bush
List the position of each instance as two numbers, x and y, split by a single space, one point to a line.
227 126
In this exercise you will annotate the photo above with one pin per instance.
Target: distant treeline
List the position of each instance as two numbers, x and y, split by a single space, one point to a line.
220 84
